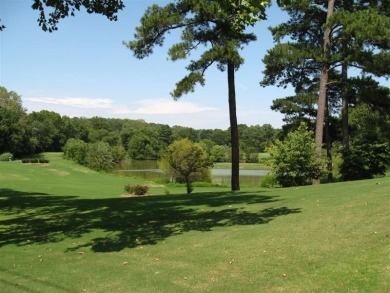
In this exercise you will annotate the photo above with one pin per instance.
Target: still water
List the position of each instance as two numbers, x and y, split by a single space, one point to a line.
148 169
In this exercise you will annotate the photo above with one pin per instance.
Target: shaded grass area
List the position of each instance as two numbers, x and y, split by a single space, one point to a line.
64 228
43 218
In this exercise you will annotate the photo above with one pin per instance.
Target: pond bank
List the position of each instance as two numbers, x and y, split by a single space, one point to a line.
250 173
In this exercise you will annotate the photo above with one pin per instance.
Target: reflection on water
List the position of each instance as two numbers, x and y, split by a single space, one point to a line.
247 177
148 169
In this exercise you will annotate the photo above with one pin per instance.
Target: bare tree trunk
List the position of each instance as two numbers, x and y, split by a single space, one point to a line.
235 181
323 86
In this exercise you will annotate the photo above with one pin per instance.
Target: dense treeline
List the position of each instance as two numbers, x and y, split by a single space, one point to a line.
24 134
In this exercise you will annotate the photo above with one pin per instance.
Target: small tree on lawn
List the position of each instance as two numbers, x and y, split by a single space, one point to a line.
295 161
186 159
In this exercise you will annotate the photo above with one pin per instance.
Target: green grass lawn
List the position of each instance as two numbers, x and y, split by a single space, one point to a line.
64 228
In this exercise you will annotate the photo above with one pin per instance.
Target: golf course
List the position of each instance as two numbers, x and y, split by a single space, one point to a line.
65 228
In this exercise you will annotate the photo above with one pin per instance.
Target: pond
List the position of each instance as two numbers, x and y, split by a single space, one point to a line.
148 169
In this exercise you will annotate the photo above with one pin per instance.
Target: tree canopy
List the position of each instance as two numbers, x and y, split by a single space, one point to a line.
52 11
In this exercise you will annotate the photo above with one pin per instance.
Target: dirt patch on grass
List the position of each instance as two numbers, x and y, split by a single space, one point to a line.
154 185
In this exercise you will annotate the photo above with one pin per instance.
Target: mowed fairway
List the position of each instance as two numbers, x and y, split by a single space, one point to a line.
64 228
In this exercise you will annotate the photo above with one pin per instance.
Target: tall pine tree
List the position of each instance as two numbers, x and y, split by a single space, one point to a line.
359 37
220 26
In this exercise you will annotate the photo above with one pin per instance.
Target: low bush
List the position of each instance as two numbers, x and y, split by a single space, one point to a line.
35 161
269 181
136 189
6 157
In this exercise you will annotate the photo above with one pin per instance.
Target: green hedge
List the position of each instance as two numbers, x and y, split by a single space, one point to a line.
136 189
35 161
6 157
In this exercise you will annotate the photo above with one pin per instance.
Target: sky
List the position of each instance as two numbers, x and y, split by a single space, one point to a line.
84 70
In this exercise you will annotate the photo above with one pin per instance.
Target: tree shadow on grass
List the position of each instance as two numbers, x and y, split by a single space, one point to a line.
29 218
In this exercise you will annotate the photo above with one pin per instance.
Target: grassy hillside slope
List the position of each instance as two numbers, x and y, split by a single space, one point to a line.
64 228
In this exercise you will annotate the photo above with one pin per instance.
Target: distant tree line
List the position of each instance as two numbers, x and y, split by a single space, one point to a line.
23 134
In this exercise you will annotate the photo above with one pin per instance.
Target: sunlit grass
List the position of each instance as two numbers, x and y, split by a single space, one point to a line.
64 228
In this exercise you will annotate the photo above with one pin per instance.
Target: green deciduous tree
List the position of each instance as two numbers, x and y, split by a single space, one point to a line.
220 153
185 159
145 145
180 132
255 138
365 161
220 28
76 128
118 153
12 123
76 150
369 153
99 156
52 11
295 161
47 127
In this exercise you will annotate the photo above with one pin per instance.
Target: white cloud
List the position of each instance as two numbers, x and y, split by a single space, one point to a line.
169 107
162 110
75 102
146 107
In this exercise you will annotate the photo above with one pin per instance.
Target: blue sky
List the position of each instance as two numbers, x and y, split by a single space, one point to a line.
83 69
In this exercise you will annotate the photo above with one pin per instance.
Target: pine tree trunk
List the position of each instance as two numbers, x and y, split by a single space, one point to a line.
323 86
328 144
235 181
344 107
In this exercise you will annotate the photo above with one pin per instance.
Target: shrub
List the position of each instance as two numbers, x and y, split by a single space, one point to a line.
269 181
295 161
34 161
99 157
252 158
365 161
6 156
136 189
76 150
118 153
